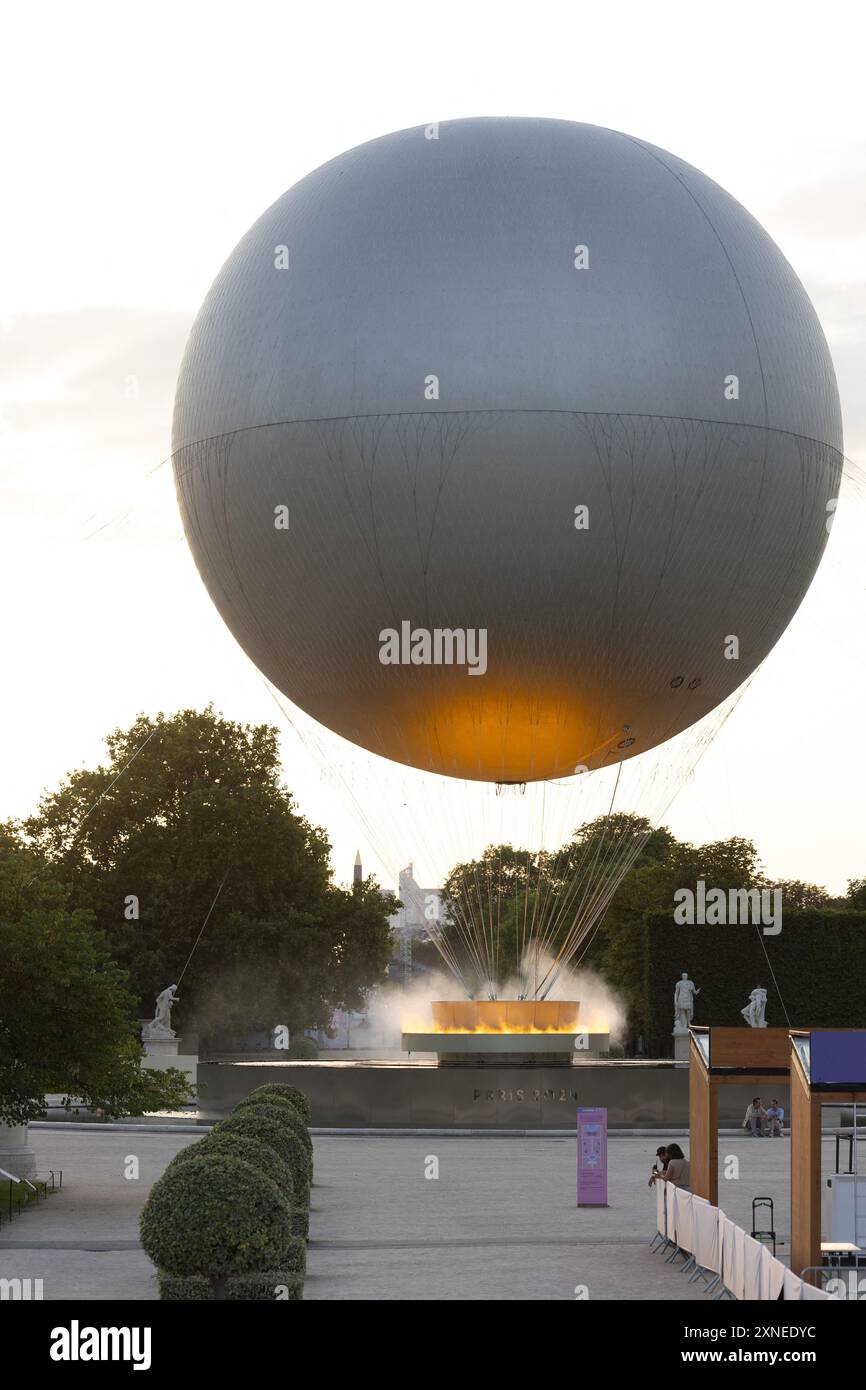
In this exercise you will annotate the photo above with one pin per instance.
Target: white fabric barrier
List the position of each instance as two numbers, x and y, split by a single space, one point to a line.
661 1223
685 1219
753 1253
738 1284
772 1276
810 1292
793 1286
748 1270
733 1271
706 1249
726 1250
671 1209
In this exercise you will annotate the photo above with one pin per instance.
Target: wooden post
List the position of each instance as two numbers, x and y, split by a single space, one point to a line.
805 1171
703 1128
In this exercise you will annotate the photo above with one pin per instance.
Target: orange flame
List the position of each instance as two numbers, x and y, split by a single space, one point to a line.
505 1016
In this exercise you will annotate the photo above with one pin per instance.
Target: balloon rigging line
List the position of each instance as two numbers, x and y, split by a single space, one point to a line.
104 793
116 779
773 973
475 925
203 925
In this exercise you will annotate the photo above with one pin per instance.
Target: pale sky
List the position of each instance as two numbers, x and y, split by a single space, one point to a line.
141 143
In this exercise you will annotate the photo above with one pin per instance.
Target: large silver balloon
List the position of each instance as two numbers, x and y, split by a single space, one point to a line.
505 447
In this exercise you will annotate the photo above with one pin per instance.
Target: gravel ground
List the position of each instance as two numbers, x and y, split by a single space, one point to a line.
499 1222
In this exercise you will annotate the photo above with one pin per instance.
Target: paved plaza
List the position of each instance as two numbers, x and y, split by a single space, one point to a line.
499 1222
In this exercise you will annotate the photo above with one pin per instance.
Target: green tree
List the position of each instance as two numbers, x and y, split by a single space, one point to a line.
67 1019
486 902
477 886
856 895
664 866
798 895
514 896
191 808
509 899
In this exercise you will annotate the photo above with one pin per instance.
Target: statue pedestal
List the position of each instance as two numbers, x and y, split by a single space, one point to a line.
16 1155
162 1053
681 1047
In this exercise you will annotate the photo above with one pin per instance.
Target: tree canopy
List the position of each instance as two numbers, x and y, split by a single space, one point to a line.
189 822
67 1021
510 891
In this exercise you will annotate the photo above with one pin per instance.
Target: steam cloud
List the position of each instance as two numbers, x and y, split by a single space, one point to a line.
393 1010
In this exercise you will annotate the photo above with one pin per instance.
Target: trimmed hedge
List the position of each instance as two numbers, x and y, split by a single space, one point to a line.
250 1150
271 1286
303 1050
818 958
215 1216
291 1093
263 1157
287 1111
301 1221
267 1124
229 1218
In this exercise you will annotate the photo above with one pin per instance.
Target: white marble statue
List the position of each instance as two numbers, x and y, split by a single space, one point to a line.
159 1028
753 1013
684 1004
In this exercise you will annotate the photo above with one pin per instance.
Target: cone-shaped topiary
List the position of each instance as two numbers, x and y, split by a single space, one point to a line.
298 1099
266 1124
215 1216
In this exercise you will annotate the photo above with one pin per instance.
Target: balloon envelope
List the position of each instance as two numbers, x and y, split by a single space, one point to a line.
505 449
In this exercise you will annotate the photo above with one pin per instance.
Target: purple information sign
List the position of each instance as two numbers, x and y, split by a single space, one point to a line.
592 1157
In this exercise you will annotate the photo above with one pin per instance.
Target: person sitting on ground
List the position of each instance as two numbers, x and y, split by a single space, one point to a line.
677 1168
775 1116
660 1164
754 1118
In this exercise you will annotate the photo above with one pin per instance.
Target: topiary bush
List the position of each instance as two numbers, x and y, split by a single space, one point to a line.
288 1115
291 1093
259 1123
277 1285
273 1285
195 1150
215 1216
250 1150
263 1157
303 1050
192 1288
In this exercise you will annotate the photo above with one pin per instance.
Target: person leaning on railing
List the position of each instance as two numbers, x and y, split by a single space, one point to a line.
676 1169
659 1166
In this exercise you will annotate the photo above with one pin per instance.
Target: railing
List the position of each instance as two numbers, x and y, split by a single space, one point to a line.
24 1191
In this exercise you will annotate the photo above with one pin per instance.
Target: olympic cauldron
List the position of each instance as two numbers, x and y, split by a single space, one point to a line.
514 1032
